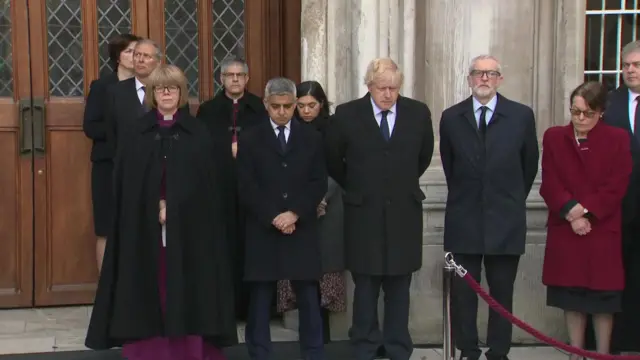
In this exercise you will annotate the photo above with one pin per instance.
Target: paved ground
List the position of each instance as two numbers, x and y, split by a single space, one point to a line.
63 329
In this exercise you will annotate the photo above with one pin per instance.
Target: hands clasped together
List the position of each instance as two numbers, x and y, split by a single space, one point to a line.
579 224
286 222
162 217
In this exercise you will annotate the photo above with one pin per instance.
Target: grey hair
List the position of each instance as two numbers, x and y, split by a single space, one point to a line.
484 57
630 48
279 86
152 43
224 65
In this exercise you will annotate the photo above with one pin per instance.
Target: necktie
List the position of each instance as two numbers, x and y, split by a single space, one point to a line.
482 126
384 126
281 138
145 108
636 122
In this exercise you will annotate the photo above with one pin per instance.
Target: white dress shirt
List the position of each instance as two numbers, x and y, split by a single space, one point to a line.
391 116
287 129
491 109
139 86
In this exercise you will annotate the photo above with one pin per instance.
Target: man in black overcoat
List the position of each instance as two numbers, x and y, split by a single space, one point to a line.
377 149
623 111
228 116
489 152
282 178
199 298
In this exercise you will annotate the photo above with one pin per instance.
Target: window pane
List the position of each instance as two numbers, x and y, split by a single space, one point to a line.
228 33
6 71
64 45
114 17
181 39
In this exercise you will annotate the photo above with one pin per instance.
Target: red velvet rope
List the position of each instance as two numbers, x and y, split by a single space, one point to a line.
537 334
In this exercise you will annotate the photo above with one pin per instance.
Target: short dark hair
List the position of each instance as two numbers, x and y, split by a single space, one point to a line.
594 94
313 88
117 44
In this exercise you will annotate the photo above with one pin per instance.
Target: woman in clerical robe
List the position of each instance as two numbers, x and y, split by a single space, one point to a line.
586 167
165 290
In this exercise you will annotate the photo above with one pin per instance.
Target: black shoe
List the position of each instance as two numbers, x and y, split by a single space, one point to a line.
381 353
503 357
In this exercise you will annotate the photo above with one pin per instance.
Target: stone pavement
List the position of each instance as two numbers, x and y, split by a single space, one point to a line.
63 329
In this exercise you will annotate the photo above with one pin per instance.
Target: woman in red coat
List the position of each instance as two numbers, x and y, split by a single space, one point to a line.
585 172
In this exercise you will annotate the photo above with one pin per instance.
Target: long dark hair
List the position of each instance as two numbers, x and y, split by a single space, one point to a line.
313 88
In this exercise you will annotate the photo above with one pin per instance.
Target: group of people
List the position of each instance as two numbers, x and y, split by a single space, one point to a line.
205 219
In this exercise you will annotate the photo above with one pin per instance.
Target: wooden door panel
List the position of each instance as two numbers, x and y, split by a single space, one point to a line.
67 48
16 180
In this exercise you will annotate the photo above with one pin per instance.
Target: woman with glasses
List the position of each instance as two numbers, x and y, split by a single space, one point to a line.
585 172
165 287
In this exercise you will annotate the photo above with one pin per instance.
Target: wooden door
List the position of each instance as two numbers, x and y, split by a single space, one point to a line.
50 51
67 51
16 159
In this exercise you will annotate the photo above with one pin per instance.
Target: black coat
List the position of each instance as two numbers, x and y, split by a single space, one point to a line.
488 180
217 114
271 182
382 199
617 114
94 123
199 289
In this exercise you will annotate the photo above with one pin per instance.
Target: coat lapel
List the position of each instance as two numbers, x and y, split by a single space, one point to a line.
402 123
469 116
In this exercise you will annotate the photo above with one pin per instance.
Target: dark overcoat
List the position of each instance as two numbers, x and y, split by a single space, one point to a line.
273 181
488 179
199 288
382 196
617 114
596 178
217 115
94 123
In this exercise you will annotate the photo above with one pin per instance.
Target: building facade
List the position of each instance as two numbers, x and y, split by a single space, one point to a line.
50 50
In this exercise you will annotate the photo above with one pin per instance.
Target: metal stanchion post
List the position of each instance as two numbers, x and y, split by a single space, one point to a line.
448 272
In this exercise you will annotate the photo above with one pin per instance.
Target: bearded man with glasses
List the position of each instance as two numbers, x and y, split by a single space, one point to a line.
489 152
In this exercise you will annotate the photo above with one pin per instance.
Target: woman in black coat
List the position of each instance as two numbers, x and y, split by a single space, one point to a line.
165 290
121 58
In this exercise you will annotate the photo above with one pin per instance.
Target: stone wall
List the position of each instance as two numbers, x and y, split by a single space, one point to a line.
540 45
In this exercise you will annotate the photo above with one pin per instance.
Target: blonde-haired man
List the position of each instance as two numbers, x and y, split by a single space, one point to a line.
378 146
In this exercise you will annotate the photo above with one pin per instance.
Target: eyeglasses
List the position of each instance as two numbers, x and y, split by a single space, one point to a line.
587 113
491 74
171 89
234 75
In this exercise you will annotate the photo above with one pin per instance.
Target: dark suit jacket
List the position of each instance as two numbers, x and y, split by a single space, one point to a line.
271 182
617 114
94 123
382 199
488 180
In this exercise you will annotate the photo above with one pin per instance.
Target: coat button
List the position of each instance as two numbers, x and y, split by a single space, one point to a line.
285 195
284 164
388 202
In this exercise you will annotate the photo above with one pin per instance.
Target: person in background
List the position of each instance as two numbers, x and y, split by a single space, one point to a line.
377 149
282 178
165 290
232 112
312 109
120 50
489 153
585 172
623 111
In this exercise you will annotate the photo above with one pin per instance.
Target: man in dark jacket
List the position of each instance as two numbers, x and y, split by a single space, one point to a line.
228 116
623 111
489 152
377 148
282 177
